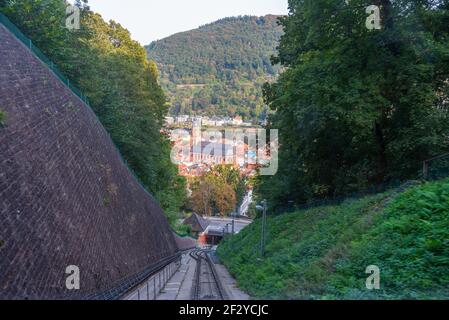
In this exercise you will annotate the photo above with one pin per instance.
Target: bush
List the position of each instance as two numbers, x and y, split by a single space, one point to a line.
410 244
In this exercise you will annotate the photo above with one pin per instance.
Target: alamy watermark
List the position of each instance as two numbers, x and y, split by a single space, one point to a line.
72 282
72 21
373 281
373 20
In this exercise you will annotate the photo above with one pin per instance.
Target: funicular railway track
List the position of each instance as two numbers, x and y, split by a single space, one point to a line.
207 284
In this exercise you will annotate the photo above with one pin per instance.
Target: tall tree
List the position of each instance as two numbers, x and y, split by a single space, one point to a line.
357 107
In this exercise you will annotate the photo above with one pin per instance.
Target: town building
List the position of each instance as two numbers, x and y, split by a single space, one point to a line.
212 153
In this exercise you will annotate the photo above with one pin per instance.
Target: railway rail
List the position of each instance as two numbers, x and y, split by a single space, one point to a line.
207 284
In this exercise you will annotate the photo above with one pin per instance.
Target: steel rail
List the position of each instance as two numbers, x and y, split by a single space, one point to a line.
201 257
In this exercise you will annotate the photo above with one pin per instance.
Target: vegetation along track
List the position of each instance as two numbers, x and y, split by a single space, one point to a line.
207 284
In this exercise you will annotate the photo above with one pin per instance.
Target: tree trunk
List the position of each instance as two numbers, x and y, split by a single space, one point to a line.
382 155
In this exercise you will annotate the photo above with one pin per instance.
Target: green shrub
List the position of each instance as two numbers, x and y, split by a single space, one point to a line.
322 253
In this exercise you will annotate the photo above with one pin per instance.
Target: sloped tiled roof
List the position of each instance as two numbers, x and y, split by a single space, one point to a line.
198 223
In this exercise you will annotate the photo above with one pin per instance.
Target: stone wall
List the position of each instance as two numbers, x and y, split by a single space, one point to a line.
66 197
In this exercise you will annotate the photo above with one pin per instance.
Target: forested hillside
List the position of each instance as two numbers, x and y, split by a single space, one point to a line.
112 70
219 68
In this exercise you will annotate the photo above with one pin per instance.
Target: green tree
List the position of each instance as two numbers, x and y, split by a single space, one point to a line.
357 107
201 200
230 175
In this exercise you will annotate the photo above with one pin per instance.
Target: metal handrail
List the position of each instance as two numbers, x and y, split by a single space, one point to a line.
124 287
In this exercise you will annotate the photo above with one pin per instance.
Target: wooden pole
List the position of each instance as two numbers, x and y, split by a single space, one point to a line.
426 170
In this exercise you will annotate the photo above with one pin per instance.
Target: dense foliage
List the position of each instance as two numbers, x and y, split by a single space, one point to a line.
219 69
112 70
219 191
358 107
323 253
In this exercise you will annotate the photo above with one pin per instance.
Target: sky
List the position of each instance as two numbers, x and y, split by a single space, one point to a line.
150 20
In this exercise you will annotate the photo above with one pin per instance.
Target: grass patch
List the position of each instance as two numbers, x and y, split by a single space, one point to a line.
181 229
322 253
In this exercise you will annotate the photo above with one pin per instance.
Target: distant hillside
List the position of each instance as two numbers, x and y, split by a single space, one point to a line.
219 68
